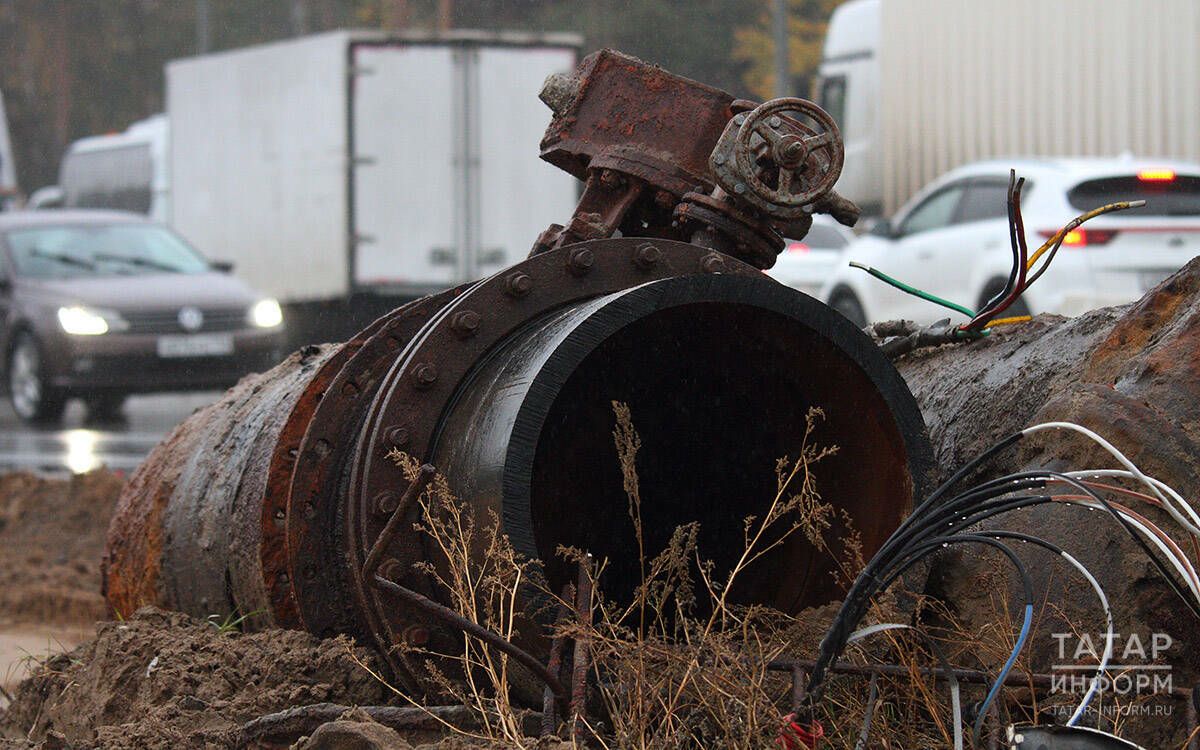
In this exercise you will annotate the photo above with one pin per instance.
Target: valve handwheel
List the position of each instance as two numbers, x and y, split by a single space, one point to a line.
789 137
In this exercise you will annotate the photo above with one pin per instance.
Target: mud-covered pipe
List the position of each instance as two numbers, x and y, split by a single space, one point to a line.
266 503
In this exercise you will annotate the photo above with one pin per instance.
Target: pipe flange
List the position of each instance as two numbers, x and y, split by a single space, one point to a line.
617 264
317 488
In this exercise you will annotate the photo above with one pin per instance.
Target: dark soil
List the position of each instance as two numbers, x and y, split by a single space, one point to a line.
163 680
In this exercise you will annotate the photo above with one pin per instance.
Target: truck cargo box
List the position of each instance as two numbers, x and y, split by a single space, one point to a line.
356 162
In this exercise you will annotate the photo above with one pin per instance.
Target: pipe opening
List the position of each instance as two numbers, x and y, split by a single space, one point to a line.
718 391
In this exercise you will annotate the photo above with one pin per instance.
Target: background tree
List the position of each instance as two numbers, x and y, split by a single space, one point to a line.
72 68
753 47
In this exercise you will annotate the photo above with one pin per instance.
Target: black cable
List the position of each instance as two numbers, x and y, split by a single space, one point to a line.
817 675
868 582
1012 241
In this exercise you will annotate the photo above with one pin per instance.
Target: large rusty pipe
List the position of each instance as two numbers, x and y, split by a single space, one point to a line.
266 503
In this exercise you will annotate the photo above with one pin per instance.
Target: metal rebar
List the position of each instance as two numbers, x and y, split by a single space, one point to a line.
379 548
972 676
450 617
554 665
799 683
579 670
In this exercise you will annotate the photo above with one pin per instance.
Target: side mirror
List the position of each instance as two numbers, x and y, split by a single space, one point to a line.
221 266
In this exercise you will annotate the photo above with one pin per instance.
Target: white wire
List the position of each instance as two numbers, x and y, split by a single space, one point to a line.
956 707
1193 527
1183 566
1137 473
873 629
1110 636
955 691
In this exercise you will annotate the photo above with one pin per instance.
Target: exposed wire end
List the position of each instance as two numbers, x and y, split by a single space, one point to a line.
1058 237
907 289
1007 321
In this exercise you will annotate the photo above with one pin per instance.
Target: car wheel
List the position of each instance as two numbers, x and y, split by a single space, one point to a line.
847 304
994 287
105 407
32 399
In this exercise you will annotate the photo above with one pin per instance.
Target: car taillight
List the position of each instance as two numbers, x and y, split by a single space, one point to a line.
1082 237
797 247
1157 175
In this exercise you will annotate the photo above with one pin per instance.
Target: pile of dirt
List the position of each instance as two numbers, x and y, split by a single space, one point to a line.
52 534
162 679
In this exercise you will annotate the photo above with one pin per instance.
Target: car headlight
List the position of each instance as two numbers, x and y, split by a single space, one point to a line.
266 313
86 321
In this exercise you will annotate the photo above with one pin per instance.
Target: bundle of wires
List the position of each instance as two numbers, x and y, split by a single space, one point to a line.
945 519
1019 277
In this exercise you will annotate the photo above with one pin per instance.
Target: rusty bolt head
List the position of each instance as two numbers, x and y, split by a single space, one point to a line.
580 261
391 569
647 255
398 436
385 502
465 323
712 263
558 91
610 180
425 375
280 515
416 635
518 284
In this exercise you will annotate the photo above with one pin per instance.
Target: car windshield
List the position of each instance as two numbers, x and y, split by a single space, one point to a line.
56 252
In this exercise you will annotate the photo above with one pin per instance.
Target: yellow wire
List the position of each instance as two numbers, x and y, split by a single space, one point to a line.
1074 223
1008 321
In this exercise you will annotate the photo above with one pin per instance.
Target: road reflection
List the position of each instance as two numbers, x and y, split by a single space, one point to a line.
77 447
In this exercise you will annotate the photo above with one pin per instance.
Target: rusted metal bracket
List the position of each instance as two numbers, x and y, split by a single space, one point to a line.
664 156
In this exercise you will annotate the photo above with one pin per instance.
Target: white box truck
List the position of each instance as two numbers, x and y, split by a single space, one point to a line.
348 171
920 87
125 171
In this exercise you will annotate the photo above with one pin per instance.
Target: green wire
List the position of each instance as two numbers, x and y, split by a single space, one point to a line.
914 291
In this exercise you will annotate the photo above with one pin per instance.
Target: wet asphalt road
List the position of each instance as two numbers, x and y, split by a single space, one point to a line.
77 445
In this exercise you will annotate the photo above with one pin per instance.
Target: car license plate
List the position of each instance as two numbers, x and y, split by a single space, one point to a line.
195 345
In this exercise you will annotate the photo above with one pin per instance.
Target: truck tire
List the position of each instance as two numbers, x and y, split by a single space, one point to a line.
994 287
105 407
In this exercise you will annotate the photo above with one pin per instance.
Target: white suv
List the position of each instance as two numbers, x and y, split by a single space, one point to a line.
951 239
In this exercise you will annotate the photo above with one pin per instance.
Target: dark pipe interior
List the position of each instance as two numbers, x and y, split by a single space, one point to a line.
718 392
